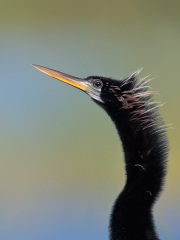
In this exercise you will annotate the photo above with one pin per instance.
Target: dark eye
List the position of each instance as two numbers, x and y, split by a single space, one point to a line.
97 83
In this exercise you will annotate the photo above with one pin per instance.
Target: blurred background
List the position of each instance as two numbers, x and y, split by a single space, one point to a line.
61 162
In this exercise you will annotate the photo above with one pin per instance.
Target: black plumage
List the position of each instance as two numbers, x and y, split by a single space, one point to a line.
129 103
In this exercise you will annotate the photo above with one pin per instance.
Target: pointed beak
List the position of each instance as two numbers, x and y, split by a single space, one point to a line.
63 77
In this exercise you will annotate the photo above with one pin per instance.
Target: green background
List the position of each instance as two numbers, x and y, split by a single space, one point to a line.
61 163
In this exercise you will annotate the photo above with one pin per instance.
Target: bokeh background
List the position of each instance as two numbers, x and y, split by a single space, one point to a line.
61 162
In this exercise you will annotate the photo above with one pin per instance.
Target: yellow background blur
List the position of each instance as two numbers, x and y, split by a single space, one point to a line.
61 163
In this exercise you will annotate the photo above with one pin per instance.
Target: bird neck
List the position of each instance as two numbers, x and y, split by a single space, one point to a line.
144 162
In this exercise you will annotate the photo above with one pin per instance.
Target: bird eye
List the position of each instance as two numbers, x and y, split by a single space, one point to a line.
97 83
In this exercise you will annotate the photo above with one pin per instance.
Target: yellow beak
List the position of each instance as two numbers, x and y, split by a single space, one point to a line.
63 77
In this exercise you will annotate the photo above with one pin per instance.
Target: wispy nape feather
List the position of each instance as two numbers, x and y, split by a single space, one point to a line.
137 96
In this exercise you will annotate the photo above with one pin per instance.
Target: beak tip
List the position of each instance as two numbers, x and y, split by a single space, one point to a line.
40 68
35 65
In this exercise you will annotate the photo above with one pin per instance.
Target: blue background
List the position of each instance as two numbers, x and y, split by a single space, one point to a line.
61 162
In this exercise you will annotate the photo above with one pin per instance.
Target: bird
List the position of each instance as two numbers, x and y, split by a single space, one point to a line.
130 104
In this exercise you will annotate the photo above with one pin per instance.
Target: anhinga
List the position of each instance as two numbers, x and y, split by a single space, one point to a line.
129 104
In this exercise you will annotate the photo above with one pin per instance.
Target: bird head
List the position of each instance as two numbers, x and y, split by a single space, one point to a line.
100 89
127 98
